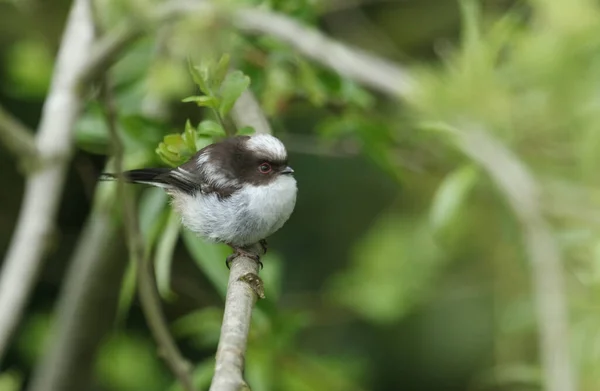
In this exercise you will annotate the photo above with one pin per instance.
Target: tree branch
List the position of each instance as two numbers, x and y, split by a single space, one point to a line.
242 290
17 138
44 187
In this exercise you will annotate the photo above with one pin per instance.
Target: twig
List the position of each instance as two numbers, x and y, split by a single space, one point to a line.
44 186
148 294
17 138
242 290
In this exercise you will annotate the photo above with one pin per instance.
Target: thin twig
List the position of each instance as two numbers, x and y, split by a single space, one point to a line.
149 298
44 186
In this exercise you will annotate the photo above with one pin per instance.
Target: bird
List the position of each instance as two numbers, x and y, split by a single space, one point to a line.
237 191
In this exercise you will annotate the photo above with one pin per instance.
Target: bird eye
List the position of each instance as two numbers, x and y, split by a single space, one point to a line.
264 168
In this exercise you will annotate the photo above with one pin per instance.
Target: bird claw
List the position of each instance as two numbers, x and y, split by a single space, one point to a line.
238 252
264 245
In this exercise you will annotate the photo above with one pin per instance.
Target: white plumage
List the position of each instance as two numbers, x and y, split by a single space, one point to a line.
249 215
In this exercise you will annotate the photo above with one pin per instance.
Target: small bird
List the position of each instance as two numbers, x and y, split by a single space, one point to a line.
237 191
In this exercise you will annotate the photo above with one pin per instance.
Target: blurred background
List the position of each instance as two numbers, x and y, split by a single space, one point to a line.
403 266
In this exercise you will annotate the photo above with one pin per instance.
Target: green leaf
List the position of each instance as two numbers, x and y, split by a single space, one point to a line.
205 70
393 268
164 254
210 128
202 326
234 84
279 87
167 155
11 380
173 140
451 195
246 131
198 78
311 83
202 376
221 70
203 101
189 136
210 258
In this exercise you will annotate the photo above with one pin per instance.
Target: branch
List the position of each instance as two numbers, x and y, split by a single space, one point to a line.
44 187
242 290
17 138
351 62
149 297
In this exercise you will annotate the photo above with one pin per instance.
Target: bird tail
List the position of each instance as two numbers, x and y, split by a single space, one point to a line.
147 176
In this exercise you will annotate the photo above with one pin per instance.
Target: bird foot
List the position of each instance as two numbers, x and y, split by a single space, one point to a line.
263 243
240 252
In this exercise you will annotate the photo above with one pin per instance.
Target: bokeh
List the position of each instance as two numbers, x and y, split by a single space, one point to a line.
407 263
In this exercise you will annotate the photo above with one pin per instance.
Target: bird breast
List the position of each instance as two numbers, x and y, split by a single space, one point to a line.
247 216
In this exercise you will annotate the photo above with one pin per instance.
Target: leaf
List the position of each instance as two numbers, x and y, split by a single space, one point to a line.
197 77
203 101
203 326
221 70
210 128
208 257
451 195
393 268
278 89
311 83
11 380
173 140
189 136
246 131
164 254
202 376
167 156
234 84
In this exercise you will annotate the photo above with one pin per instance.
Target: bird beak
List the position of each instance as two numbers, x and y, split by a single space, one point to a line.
287 170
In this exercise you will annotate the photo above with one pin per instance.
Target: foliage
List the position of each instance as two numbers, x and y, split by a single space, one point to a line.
426 272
